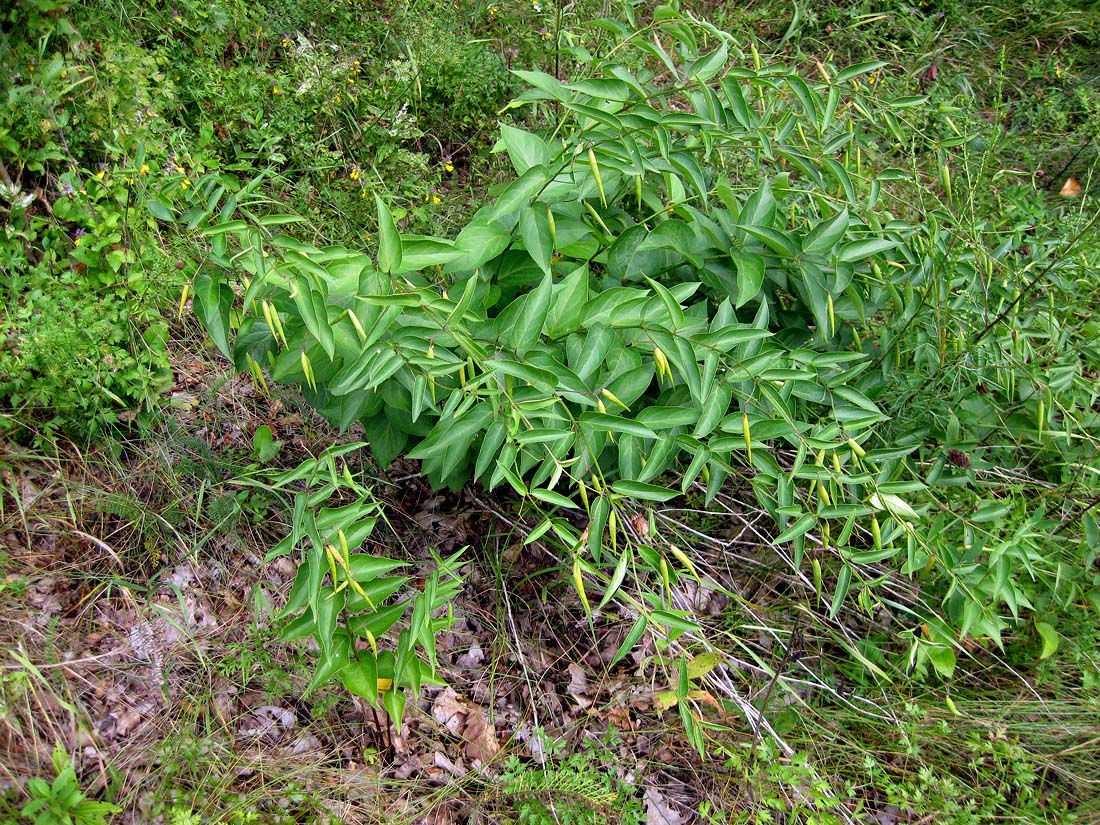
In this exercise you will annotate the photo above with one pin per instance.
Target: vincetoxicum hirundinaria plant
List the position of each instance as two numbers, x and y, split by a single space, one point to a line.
349 600
631 303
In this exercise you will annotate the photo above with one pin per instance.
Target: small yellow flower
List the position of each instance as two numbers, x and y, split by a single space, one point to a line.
144 170
185 184
99 175
492 11
436 199
65 74
448 167
179 169
275 91
338 99
76 241
354 174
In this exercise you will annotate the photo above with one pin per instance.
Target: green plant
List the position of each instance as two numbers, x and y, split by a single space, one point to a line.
62 802
343 598
577 789
617 307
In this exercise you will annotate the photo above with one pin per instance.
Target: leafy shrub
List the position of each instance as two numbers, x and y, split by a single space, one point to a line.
82 280
689 274
474 354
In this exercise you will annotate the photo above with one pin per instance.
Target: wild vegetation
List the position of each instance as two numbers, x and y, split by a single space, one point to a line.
537 412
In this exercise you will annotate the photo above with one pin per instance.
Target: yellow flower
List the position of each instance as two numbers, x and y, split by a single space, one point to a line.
448 167
354 174
76 241
179 169
185 184
144 170
275 90
99 175
65 74
338 99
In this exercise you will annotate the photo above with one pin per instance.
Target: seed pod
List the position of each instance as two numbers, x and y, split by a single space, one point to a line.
596 173
661 360
748 435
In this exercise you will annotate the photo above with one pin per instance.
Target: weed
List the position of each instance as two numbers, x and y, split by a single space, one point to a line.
62 802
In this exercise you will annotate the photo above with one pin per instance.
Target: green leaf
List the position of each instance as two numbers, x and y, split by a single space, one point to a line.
1050 639
860 250
605 88
750 274
212 301
615 424
895 506
942 658
664 418
361 677
554 88
160 211
517 197
852 72
676 620
524 148
567 305
708 65
799 528
825 235
759 209
418 252
637 630
534 229
389 242
550 497
538 378
314 314
843 583
647 492
778 242
528 326
479 242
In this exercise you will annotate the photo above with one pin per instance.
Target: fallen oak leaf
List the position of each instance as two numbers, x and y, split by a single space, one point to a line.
480 736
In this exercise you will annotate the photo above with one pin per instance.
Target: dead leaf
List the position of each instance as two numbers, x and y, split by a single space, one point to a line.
578 685
472 658
1070 189
450 711
481 738
658 811
467 720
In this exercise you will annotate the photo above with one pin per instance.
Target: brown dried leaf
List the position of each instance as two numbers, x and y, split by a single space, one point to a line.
1070 189
658 811
481 738
450 711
